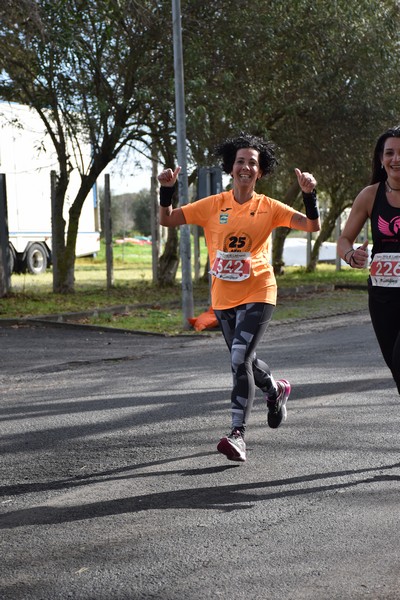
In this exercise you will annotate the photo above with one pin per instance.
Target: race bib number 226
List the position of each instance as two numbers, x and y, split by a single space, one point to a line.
385 270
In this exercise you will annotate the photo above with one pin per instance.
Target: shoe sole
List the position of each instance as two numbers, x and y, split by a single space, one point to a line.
230 451
288 389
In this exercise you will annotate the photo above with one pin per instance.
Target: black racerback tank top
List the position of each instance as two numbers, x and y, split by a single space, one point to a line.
385 224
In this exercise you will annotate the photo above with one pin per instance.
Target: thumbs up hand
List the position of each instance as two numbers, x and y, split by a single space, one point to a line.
168 177
359 258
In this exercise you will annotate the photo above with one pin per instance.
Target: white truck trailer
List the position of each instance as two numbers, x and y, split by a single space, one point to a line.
27 158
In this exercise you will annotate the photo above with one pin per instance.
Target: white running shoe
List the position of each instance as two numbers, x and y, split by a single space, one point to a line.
233 446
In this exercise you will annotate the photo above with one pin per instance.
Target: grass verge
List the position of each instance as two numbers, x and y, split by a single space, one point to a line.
142 306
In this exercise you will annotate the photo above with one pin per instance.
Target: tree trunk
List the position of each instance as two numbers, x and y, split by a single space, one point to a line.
206 275
64 251
292 199
64 276
59 186
280 236
327 227
169 260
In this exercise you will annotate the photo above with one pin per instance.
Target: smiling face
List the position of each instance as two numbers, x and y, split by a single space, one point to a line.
246 168
391 158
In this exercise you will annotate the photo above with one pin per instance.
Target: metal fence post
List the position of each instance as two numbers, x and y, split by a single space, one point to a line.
5 275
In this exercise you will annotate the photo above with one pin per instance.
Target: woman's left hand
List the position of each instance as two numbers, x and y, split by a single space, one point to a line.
307 181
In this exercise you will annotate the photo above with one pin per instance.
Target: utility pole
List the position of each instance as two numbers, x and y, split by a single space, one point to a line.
183 188
155 220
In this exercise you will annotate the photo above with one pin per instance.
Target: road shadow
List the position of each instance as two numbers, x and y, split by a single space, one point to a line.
226 498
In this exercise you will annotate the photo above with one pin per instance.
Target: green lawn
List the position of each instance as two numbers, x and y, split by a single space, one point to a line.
145 306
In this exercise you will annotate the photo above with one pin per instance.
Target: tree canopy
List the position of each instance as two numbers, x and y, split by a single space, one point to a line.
87 67
318 78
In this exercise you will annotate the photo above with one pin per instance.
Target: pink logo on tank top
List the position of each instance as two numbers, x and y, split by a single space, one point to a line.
391 228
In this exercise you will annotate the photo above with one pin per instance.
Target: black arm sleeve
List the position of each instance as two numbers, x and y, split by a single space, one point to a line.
311 205
166 194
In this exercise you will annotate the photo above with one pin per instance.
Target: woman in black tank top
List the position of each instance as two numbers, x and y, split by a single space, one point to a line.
380 202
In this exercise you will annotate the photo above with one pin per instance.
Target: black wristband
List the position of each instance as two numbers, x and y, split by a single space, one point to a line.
310 202
166 194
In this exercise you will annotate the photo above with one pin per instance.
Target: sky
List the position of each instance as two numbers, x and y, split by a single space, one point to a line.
133 174
127 176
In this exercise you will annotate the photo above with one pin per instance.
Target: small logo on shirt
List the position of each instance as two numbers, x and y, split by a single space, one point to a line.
260 212
223 219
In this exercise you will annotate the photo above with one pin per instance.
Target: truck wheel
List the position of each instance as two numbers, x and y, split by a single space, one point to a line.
36 259
11 259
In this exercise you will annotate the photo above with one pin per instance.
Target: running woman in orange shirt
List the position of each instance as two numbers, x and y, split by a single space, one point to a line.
237 226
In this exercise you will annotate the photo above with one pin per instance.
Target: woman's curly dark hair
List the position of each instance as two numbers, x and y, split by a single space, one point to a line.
228 148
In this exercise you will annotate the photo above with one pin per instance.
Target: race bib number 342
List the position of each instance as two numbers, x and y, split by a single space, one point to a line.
232 266
385 270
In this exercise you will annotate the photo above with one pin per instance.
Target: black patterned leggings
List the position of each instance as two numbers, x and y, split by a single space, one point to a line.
243 327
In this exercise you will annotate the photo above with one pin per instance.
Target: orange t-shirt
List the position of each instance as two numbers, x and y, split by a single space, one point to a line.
233 227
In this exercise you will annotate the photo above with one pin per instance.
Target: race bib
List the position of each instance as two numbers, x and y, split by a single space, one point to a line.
232 266
385 270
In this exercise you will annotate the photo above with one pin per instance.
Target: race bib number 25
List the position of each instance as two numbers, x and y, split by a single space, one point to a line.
232 266
385 270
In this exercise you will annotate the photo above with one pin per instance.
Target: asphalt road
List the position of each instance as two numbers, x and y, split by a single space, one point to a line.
111 487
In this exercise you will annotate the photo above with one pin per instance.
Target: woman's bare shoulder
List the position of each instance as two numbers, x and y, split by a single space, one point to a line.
366 197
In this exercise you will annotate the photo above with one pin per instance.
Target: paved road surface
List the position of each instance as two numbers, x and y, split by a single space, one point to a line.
111 487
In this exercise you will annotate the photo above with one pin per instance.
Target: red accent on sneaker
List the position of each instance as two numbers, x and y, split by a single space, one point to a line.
231 449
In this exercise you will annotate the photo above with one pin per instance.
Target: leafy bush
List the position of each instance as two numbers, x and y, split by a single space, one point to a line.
142 213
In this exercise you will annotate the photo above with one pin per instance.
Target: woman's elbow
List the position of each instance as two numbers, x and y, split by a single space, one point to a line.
165 217
171 217
314 225
163 221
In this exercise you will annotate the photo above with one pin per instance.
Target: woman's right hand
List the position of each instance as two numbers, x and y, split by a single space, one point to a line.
168 177
359 258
